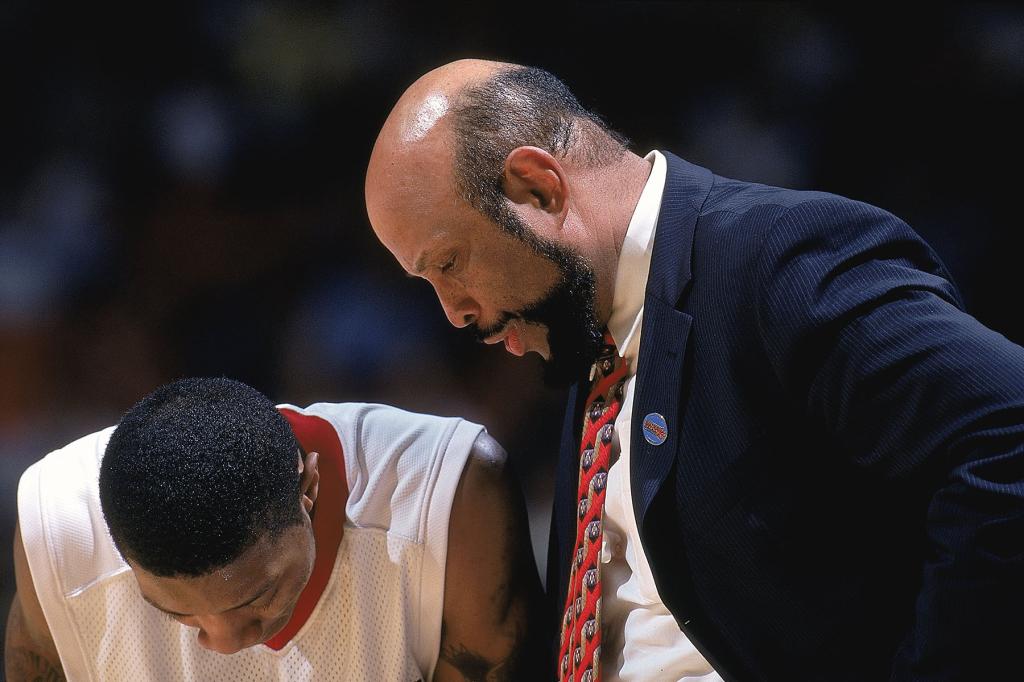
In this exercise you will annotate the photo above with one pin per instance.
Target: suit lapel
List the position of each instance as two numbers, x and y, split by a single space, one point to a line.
657 392
563 520
660 369
661 361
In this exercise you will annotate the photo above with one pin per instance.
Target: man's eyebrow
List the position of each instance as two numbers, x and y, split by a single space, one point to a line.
160 608
263 590
419 266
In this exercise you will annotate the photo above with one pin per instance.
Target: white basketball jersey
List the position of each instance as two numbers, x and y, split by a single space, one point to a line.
378 617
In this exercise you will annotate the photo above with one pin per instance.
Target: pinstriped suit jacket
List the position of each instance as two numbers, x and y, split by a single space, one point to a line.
840 496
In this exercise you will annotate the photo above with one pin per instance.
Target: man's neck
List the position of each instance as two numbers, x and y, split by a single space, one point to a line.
615 192
634 174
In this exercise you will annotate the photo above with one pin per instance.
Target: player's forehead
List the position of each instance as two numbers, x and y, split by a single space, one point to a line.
222 589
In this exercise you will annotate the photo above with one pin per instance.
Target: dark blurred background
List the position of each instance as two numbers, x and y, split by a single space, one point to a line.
181 185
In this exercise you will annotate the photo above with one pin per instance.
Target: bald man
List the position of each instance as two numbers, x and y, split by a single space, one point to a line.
809 459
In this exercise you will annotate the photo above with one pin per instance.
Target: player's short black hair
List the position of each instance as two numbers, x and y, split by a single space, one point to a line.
196 473
521 106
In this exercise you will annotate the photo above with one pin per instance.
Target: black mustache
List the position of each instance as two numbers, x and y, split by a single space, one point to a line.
483 333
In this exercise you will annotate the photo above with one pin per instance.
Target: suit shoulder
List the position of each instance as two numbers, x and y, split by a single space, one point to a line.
736 219
739 197
744 217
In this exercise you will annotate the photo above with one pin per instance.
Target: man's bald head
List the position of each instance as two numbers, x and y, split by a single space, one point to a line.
427 101
458 123
412 156
493 183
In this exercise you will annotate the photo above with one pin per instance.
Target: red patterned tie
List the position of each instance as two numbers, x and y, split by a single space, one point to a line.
580 644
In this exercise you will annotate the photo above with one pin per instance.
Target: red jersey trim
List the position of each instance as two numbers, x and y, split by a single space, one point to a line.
316 434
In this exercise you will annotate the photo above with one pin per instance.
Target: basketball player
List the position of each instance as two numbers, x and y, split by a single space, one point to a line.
213 536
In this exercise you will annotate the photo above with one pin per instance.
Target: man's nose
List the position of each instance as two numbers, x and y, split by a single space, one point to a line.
462 310
228 634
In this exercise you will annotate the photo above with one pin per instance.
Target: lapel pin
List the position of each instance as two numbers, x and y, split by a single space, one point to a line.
655 429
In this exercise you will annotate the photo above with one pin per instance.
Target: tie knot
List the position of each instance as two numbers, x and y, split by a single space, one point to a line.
607 361
607 372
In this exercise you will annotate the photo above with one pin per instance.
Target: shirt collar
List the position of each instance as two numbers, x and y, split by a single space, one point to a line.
635 262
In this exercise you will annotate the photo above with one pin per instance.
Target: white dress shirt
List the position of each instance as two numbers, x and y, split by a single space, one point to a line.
640 638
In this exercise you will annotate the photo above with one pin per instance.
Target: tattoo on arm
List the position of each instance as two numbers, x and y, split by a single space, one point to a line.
493 596
25 665
476 668
23 661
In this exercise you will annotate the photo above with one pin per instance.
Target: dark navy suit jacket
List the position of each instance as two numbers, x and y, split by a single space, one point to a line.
840 495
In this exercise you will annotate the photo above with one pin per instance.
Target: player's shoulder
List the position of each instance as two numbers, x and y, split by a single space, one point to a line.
399 464
372 426
68 472
59 513
356 411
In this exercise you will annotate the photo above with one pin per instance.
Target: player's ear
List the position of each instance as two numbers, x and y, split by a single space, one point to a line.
309 478
533 176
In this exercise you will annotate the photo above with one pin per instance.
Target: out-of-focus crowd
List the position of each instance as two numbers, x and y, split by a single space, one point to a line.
181 185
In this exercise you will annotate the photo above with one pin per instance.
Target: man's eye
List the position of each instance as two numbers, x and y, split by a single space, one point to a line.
448 266
266 602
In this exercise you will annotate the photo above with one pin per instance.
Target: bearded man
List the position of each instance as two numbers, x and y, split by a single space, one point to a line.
788 452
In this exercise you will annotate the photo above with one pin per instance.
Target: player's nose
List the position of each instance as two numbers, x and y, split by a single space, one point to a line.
228 635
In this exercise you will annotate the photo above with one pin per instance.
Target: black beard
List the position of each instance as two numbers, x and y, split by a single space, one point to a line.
573 337
567 311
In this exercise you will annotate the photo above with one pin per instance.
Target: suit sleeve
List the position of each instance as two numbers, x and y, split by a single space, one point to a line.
864 330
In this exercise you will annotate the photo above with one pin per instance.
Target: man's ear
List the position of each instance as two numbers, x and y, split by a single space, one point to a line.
309 478
533 176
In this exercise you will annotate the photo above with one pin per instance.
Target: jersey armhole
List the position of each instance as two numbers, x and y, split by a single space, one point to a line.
43 570
444 476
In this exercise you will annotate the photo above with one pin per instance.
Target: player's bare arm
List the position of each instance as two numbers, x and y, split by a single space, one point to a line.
492 591
29 651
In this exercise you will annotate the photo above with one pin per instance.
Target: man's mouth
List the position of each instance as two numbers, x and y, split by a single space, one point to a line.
512 336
